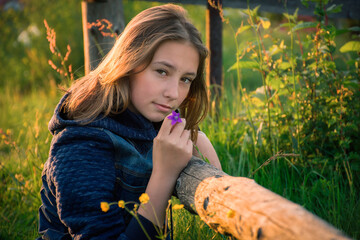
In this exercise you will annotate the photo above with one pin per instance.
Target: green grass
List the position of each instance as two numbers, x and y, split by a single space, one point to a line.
24 147
26 140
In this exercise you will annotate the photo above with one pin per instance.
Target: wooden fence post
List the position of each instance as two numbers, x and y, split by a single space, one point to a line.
214 44
239 207
95 44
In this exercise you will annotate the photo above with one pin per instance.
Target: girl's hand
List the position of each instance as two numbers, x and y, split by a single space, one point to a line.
172 149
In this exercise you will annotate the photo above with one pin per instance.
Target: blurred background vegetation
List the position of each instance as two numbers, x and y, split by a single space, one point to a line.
263 111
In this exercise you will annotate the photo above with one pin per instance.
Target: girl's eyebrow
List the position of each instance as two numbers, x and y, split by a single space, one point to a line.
172 67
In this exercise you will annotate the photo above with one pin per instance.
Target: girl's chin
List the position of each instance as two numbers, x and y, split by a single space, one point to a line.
157 118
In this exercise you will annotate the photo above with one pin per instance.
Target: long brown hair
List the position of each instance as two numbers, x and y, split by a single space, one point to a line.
105 90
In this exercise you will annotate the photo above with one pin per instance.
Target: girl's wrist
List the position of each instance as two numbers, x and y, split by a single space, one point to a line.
166 179
159 190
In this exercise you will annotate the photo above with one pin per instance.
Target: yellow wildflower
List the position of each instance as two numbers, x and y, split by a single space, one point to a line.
19 177
178 206
144 198
8 131
230 213
121 204
27 185
135 208
104 206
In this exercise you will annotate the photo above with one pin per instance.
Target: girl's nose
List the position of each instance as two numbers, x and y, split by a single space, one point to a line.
172 89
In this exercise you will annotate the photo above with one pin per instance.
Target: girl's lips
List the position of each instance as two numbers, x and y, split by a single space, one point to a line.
163 108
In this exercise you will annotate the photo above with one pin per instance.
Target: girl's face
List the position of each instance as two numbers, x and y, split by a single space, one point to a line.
163 85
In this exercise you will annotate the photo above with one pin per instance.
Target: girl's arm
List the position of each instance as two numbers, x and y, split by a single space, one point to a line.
172 151
207 150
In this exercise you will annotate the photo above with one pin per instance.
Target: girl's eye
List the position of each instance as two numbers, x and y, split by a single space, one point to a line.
187 80
161 72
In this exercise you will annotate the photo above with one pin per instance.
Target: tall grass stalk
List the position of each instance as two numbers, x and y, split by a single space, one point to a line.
239 95
256 27
292 65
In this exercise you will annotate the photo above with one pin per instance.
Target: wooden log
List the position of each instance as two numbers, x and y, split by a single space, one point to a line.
95 44
240 207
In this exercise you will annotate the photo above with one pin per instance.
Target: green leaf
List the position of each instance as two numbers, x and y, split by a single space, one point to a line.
296 13
286 15
242 29
341 31
284 65
289 25
352 84
245 65
257 101
274 82
334 8
254 12
355 29
304 25
283 92
292 17
274 49
305 3
250 12
351 46
330 65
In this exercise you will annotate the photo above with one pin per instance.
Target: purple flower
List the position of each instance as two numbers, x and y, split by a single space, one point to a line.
175 117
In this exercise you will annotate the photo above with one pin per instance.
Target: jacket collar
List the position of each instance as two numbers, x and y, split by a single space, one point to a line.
126 124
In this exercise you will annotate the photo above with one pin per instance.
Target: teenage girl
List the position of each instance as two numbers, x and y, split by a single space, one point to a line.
112 138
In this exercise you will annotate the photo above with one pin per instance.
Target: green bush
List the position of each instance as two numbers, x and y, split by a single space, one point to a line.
308 102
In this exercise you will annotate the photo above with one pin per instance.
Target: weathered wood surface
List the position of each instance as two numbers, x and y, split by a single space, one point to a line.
240 207
95 44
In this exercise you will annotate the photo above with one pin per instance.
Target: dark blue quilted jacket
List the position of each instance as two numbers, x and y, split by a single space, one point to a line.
108 160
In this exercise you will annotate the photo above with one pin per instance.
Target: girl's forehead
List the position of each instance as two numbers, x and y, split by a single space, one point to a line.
177 53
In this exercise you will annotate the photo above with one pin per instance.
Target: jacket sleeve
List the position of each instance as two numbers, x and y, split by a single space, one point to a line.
81 169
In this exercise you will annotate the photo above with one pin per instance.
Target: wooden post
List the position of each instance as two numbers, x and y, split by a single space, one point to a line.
95 44
239 207
214 44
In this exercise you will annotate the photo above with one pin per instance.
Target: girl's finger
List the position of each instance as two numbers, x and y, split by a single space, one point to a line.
166 126
178 128
185 135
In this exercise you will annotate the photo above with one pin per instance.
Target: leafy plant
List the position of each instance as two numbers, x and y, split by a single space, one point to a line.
312 104
309 101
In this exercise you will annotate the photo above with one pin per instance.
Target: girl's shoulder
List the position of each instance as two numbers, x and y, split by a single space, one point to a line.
77 143
79 134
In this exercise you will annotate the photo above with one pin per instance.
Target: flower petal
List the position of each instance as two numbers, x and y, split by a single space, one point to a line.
175 117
